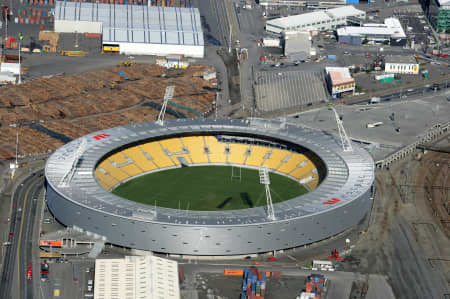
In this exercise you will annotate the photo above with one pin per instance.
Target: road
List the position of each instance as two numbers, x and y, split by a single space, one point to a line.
404 93
14 283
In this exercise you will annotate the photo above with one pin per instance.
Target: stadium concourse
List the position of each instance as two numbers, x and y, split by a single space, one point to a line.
82 174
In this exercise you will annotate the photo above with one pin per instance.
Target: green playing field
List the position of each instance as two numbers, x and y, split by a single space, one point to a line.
207 188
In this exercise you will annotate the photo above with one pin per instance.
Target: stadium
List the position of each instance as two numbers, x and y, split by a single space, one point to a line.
210 187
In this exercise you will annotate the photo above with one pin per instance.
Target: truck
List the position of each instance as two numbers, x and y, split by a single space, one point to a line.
331 56
44 271
29 272
373 125
374 100
90 285
270 42
74 53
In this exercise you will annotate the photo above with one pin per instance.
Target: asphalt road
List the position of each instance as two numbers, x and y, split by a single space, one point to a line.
14 283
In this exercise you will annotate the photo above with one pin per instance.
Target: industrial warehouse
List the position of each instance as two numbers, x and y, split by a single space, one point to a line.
140 277
391 32
135 29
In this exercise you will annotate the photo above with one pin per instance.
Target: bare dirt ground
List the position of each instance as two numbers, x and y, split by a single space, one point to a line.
49 112
406 239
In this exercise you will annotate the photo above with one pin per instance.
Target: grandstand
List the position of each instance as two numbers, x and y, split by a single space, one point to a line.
339 182
204 150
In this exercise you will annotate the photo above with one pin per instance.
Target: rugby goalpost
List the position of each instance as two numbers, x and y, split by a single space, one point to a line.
264 179
236 174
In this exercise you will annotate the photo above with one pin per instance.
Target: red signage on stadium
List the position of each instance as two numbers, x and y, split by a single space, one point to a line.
101 136
331 201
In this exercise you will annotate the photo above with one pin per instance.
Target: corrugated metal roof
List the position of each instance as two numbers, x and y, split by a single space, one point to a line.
316 17
137 23
390 27
137 277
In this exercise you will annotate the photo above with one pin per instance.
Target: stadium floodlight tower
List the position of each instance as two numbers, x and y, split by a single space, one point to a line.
67 177
167 97
265 180
346 144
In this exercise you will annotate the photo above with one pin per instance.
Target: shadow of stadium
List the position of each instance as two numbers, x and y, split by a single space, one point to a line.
244 197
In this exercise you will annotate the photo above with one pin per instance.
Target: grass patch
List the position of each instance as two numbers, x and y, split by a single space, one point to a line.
207 188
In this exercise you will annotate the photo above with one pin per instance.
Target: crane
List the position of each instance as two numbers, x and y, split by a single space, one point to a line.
167 97
346 144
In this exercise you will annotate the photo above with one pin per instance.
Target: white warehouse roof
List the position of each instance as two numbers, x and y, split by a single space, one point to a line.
344 11
316 16
443 3
136 277
137 23
390 27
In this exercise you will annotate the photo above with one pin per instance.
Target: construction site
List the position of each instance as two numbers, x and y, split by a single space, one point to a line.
47 112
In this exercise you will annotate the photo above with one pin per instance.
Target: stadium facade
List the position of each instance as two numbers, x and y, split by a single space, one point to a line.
79 184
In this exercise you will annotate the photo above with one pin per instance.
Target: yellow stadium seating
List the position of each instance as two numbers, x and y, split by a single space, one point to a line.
186 157
313 184
237 153
256 157
113 171
105 180
298 173
195 145
118 158
216 150
159 157
302 171
136 154
131 169
275 158
292 163
173 145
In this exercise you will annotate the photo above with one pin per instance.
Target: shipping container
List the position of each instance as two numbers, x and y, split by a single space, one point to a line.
231 272
111 49
10 67
93 35
387 80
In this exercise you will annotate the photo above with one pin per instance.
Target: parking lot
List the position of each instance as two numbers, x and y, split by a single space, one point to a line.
62 281
417 29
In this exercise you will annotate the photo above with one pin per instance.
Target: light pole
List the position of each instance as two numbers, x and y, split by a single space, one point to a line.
20 68
20 65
